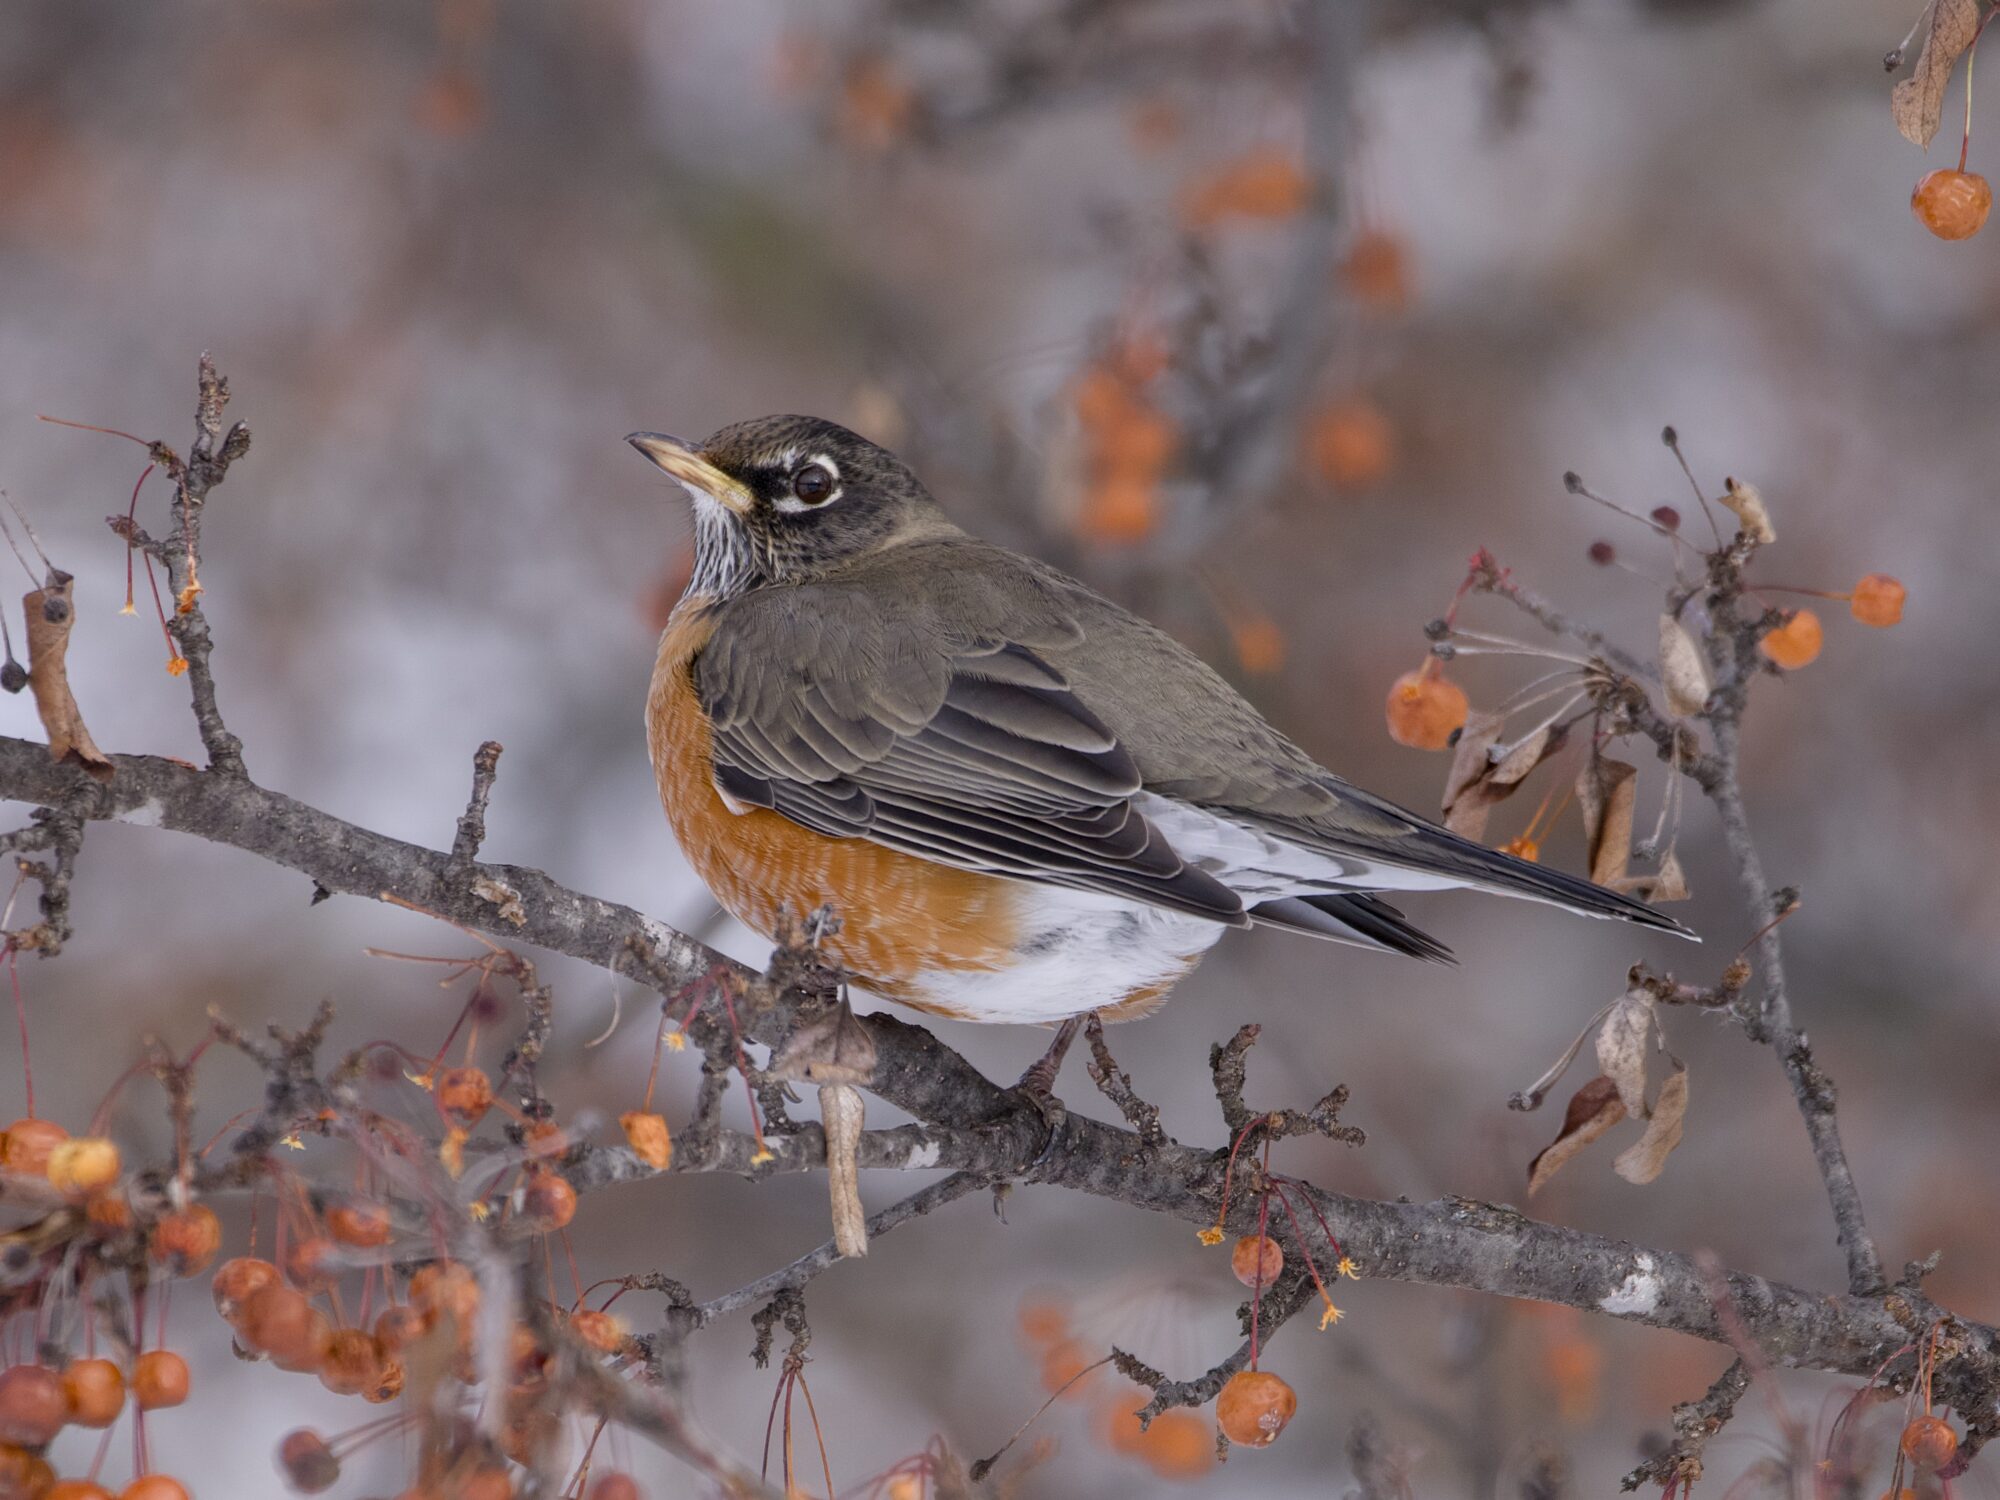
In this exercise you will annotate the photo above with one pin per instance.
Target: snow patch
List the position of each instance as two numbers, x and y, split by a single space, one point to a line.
1639 1293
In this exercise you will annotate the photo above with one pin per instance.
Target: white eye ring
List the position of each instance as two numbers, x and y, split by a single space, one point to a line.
793 504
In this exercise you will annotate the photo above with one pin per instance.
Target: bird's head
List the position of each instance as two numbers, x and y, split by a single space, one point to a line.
789 499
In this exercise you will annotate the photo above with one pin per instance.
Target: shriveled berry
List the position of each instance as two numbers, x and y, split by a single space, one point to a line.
1877 600
360 1222
184 1241
109 1212
77 1168
1795 643
1667 516
1603 553
1257 1259
544 1140
602 1331
154 1487
387 1385
465 1094
1951 204
547 1200
28 1144
95 1391
646 1133
353 1362
1254 1407
159 1379
237 1280
1426 708
1929 1443
308 1463
33 1408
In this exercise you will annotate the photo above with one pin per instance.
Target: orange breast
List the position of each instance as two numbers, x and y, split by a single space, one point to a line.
900 916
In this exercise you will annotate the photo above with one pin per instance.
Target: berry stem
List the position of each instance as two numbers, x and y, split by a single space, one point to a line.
21 1018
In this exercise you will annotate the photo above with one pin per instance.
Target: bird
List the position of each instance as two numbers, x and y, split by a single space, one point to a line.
1024 803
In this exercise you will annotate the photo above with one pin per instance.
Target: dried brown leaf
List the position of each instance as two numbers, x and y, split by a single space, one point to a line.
1682 671
1642 1160
51 612
1607 792
1593 1109
1478 781
1751 512
1469 758
1917 103
1621 1048
1668 883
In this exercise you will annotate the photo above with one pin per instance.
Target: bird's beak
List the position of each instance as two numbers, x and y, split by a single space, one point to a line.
696 474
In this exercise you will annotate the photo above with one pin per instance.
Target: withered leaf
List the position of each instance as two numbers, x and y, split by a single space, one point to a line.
1478 781
1668 883
1682 671
1621 1048
1607 791
51 612
1752 514
1642 1160
1593 1109
1917 103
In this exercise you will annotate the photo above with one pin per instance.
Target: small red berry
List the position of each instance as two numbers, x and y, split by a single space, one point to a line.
547 1200
398 1328
27 1145
602 1331
238 1280
615 1486
1426 708
1667 516
353 1362
1877 600
465 1094
33 1408
186 1240
1603 553
1930 1443
154 1487
95 1391
360 1222
308 1462
1796 643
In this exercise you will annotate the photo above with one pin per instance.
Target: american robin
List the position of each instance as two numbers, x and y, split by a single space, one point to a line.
1024 802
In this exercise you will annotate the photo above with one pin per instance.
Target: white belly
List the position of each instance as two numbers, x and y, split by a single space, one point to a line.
1078 952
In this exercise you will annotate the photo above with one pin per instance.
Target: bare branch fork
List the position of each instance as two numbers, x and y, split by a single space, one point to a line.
965 1124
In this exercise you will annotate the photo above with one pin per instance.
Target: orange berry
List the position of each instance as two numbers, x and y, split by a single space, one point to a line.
237 1280
1877 600
1120 509
649 1138
159 1379
1259 643
1102 398
77 1168
276 1320
95 1391
1795 643
309 1353
312 1263
1377 270
185 1240
487 1484
445 1289
398 1328
1178 1446
388 1383
1120 1423
1043 1322
1351 443
154 1487
547 1200
1930 1443
308 1462
876 105
1265 183
602 1331
1063 1364
615 1486
1139 442
27 1146
465 1094
544 1140
352 1364
24 1474
109 1212
1426 708
360 1222
78 1489
1257 1259
1951 204
33 1407
1254 1407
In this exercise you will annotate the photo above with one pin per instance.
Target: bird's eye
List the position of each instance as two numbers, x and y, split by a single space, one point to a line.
812 484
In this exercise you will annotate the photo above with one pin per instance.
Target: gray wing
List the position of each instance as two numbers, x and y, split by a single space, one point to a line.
882 714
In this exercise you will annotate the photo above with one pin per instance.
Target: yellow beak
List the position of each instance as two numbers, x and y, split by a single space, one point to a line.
695 473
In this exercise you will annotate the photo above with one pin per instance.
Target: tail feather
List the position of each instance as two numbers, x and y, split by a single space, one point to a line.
1353 917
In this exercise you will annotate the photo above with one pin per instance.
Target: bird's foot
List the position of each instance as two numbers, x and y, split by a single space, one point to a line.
1040 1079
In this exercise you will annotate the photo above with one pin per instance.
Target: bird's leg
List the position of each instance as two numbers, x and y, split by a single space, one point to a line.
1040 1079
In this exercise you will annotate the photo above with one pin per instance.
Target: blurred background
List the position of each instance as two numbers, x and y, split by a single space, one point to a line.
1260 340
